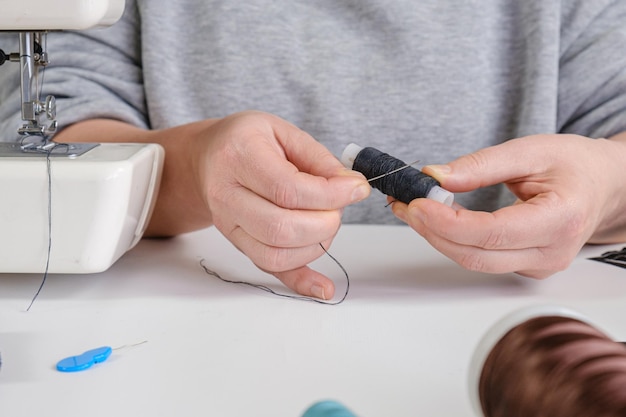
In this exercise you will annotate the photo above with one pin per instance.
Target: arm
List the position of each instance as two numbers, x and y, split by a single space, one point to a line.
180 207
270 188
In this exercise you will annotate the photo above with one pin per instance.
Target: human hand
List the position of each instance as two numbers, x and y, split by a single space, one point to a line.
275 193
568 188
270 188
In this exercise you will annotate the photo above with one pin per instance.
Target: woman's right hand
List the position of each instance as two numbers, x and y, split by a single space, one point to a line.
270 188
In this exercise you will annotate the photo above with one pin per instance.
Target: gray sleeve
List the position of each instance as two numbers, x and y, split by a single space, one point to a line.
93 74
592 86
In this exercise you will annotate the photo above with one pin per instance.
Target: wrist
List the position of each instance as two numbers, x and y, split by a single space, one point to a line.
181 206
612 224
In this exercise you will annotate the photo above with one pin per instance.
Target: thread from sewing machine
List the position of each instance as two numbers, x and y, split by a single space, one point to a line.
554 366
49 249
47 150
279 294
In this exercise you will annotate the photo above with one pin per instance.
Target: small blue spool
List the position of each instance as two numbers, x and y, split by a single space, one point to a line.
328 409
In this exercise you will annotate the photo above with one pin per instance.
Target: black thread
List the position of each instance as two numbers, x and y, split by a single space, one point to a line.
617 258
294 297
45 274
392 176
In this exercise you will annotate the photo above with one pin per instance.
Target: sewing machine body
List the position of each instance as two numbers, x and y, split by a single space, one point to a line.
100 203
37 15
66 208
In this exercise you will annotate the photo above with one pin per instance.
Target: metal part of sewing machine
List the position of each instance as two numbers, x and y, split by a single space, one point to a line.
31 56
66 208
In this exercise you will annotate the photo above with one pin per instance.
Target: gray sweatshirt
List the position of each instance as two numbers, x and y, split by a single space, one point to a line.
428 80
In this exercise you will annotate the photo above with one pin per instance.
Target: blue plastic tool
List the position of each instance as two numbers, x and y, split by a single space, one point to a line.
85 360
328 409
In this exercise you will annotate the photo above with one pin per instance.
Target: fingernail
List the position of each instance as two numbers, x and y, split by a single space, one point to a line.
318 292
360 192
351 173
438 171
418 213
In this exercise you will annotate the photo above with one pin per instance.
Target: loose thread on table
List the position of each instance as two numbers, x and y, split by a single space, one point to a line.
302 297
279 294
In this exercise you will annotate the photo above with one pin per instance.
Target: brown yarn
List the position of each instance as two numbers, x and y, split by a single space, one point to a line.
554 367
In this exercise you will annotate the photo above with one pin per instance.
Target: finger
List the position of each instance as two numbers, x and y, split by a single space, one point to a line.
288 264
272 225
306 281
308 154
275 258
494 165
538 222
524 258
310 178
392 201
529 262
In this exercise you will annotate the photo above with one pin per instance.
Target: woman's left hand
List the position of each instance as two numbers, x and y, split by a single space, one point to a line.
570 189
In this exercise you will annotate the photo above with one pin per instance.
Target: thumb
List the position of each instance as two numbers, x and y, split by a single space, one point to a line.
488 166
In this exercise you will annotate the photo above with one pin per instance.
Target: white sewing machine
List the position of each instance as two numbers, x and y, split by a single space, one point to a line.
66 208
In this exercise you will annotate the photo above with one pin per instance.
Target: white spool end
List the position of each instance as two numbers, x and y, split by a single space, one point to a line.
439 194
349 155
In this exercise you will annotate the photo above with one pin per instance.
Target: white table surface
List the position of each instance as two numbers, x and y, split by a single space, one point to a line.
400 345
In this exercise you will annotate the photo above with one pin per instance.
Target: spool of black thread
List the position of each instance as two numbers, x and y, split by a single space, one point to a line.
402 183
